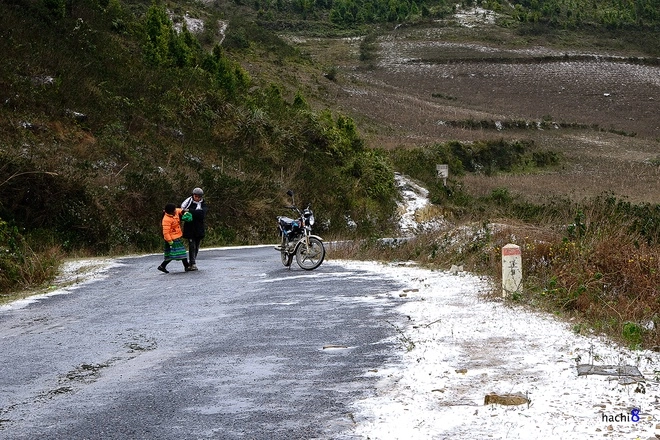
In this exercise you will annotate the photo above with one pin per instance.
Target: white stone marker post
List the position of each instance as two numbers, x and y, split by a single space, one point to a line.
511 270
443 172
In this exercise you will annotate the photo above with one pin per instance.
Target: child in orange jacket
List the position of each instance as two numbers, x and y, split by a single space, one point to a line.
174 248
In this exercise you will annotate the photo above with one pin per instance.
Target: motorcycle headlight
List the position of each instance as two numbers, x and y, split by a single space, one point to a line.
310 220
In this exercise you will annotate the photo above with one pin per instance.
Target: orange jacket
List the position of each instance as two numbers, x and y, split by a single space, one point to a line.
172 226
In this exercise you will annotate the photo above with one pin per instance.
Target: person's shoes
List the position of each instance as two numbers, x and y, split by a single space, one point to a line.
193 267
188 268
162 269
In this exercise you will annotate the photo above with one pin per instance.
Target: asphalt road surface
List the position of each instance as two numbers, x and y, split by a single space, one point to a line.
237 350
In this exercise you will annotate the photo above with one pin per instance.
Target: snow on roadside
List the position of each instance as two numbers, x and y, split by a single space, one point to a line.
72 274
414 200
474 16
466 347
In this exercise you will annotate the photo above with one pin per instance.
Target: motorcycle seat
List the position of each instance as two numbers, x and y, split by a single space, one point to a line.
287 222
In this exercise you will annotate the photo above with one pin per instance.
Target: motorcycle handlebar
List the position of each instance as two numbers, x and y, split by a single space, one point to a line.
295 208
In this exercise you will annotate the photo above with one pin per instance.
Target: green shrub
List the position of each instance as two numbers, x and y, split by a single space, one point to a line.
632 334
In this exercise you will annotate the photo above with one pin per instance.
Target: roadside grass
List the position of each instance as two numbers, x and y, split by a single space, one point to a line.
600 269
25 269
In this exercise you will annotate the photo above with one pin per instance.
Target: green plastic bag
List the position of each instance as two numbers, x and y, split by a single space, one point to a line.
186 217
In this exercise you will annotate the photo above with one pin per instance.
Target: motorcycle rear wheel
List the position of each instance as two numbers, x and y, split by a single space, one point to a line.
309 258
287 258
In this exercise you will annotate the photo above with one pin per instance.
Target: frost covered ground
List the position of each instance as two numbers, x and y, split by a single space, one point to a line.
412 206
414 198
459 347
73 274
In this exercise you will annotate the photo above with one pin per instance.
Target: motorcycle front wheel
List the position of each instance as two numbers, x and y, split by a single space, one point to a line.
310 257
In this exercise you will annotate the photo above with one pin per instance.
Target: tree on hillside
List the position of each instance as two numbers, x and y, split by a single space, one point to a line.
163 46
158 29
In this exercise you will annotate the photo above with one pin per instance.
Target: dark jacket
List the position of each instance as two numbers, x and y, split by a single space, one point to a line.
196 228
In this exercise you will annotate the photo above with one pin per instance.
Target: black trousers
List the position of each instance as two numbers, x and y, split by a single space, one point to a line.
193 249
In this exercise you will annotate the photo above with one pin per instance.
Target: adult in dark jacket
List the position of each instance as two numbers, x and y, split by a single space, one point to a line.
194 231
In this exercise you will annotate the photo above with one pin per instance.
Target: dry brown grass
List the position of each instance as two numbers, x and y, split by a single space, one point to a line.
27 269
633 180
608 279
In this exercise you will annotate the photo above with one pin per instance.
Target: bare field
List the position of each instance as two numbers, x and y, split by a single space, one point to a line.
424 85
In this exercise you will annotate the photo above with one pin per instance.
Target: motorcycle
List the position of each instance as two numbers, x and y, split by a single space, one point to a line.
297 239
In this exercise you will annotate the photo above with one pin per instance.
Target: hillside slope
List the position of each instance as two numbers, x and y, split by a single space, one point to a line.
111 110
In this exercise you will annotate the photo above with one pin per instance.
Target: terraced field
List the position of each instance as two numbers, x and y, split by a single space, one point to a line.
600 108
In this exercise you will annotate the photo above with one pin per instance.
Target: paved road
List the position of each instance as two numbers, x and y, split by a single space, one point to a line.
233 351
